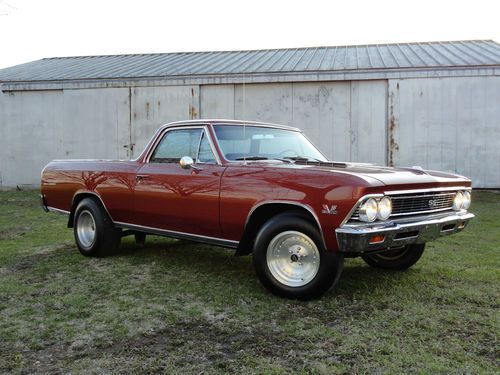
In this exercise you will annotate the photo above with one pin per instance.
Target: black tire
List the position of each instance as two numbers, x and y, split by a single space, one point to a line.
397 259
286 226
105 238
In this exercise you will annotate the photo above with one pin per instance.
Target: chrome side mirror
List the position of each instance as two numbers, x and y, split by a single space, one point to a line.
186 162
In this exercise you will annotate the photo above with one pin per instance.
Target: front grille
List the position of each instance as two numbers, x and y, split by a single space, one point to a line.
418 203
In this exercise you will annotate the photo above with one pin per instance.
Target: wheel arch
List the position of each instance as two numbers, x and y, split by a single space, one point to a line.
262 212
78 197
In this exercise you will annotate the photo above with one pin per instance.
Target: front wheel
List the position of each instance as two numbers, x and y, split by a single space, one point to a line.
291 261
396 259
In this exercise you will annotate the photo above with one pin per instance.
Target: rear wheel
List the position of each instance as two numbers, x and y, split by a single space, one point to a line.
95 233
290 259
396 259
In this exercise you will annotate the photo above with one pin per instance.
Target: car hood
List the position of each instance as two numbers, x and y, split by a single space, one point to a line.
380 175
393 175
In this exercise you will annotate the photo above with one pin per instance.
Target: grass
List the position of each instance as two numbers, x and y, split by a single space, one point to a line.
179 307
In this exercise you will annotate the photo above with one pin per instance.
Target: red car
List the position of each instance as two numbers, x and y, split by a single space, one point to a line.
262 189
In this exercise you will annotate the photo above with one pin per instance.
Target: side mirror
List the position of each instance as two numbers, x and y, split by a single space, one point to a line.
186 162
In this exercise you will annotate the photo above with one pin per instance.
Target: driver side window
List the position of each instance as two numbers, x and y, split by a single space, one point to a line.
175 144
183 142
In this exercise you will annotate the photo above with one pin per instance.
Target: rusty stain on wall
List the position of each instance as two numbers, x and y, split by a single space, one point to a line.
393 146
193 113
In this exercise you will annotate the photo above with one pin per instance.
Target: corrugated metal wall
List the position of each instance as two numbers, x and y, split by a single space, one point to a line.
449 124
346 120
38 126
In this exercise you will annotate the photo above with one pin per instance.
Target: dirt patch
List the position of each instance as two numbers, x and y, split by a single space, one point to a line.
190 343
12 233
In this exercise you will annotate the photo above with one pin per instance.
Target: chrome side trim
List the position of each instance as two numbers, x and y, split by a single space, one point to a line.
180 235
456 188
367 196
292 203
57 210
212 145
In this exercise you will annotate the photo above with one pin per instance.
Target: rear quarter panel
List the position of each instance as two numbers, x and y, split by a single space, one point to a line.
112 181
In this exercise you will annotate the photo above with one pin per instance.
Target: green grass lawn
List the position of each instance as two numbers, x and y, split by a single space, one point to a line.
179 307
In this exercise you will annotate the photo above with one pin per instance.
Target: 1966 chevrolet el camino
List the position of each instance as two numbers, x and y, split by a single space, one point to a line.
262 189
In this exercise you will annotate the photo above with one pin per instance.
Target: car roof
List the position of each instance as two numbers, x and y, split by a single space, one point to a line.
229 122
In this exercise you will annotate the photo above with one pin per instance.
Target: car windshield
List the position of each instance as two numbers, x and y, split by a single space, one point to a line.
262 143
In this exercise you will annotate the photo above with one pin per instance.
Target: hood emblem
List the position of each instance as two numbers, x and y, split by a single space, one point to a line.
329 210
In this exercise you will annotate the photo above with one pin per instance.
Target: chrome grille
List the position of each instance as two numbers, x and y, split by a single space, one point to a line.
418 203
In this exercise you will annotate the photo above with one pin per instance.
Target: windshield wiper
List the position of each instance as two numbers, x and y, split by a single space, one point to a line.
301 158
256 157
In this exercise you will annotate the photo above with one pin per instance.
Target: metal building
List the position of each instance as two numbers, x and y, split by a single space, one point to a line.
436 105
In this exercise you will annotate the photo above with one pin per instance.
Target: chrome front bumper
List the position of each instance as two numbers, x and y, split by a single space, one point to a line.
361 238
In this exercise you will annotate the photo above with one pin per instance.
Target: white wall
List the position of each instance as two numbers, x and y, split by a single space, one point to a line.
39 126
448 124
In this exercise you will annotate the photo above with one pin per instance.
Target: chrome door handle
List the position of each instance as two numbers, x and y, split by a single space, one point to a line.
141 177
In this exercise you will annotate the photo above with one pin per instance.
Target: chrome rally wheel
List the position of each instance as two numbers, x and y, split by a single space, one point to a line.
86 229
293 258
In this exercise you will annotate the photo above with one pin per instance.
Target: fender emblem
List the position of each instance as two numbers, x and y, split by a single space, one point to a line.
329 210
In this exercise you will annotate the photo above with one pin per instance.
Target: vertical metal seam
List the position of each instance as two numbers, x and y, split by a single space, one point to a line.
300 58
481 46
440 53
393 56
416 54
322 58
463 48
369 57
403 53
381 57
334 56
428 54
453 53
311 59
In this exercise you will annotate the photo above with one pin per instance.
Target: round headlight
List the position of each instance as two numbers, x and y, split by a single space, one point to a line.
384 208
466 200
368 210
458 201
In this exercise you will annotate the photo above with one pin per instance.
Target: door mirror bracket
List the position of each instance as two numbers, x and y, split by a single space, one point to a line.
187 162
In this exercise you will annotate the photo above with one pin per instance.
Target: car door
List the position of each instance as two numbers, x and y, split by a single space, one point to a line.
172 198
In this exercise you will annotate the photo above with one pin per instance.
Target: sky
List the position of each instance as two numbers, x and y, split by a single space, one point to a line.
34 29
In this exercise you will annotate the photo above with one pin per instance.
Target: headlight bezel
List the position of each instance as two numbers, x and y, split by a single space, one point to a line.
375 208
381 205
368 216
457 201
